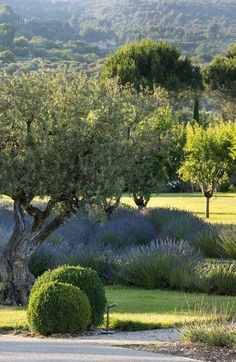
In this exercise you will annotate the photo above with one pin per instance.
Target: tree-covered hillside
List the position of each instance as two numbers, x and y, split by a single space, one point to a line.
84 32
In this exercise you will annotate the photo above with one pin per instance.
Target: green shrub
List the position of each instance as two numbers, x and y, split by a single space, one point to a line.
111 238
105 264
218 278
212 334
217 242
163 266
85 279
58 308
39 263
176 224
227 242
209 242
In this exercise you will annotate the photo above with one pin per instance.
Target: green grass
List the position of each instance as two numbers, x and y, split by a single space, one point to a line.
139 309
146 309
12 319
223 205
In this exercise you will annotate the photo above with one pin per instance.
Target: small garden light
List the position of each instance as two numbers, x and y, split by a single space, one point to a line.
107 330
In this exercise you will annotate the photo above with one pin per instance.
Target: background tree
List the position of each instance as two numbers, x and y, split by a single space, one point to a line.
60 140
7 56
207 158
151 142
137 106
21 42
220 76
7 34
149 62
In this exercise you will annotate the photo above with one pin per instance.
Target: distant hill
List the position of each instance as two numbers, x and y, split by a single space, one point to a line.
85 31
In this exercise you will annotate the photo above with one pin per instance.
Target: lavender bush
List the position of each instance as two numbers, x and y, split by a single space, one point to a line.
127 230
162 264
177 224
141 249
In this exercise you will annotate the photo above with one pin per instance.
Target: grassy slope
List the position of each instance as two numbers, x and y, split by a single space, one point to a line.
137 309
223 206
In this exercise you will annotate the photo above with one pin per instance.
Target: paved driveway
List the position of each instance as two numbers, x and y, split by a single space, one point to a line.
20 349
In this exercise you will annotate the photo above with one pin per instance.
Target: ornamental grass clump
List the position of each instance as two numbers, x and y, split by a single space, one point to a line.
209 242
213 334
58 308
218 277
228 242
162 264
214 325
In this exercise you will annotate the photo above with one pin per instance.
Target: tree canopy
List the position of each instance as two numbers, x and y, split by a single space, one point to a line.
221 73
147 63
61 139
207 158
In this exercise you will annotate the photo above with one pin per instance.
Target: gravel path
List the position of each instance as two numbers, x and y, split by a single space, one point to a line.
131 338
85 349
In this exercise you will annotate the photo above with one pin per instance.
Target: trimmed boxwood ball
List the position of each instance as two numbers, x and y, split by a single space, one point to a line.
58 308
83 278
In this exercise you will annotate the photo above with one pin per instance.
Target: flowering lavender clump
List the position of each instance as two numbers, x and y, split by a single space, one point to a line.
127 230
168 247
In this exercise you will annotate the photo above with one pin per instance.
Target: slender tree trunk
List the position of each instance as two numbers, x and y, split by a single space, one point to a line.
196 115
108 212
207 207
111 208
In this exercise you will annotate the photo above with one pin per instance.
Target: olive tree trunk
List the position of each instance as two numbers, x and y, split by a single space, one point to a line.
110 208
14 258
141 201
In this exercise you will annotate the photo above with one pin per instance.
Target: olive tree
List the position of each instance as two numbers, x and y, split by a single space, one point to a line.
137 106
153 142
61 140
207 158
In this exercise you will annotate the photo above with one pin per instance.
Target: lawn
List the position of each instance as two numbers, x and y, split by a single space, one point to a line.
139 309
223 205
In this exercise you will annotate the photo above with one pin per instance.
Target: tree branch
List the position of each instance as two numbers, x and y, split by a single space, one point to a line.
53 225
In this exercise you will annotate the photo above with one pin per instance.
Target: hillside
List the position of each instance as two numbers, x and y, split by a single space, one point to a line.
83 32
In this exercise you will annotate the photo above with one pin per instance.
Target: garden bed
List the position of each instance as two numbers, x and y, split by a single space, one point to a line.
196 351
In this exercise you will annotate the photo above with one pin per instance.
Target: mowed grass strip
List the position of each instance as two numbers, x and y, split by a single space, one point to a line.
13 319
140 309
222 205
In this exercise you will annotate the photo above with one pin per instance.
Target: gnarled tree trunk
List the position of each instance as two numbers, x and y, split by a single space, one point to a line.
16 277
25 240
